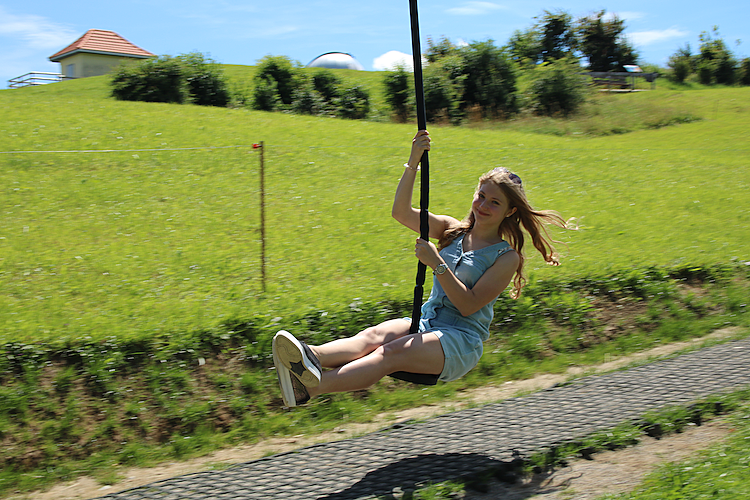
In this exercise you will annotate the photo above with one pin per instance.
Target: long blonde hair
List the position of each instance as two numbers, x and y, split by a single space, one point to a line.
533 221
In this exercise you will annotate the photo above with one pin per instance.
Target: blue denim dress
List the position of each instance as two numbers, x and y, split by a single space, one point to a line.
460 336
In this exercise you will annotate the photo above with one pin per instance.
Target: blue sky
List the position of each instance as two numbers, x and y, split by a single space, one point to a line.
241 32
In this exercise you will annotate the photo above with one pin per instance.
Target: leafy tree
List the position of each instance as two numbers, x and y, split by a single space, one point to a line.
479 75
524 47
557 36
397 92
490 79
437 51
715 61
602 43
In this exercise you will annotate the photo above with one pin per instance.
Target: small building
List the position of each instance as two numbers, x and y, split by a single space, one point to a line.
96 53
336 60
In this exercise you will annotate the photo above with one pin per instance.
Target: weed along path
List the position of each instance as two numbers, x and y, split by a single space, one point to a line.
612 468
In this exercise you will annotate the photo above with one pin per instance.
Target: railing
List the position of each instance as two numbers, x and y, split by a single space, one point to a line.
35 78
621 80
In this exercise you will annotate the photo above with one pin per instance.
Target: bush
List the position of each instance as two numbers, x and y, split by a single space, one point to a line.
185 78
152 80
397 92
706 69
354 103
680 69
558 88
205 80
279 73
443 89
745 71
327 85
308 101
681 64
317 95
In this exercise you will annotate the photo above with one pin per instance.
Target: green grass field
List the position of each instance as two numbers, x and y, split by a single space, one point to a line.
133 242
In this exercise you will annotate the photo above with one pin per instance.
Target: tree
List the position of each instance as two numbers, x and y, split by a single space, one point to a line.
602 43
437 51
524 47
715 62
490 79
557 36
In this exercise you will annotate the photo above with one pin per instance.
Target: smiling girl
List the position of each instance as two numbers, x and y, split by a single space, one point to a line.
475 260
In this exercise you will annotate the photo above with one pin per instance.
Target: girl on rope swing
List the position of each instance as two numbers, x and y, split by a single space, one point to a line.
474 262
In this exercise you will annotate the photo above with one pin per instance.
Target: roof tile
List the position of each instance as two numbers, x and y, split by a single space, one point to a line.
101 41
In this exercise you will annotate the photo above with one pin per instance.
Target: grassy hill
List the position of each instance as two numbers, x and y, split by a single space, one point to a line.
161 235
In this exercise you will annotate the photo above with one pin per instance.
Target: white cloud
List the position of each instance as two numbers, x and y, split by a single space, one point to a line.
655 36
475 8
391 59
35 32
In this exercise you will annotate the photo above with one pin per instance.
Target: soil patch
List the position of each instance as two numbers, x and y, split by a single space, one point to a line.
608 472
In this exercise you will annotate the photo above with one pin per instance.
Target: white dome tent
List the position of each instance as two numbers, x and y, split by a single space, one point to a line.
336 60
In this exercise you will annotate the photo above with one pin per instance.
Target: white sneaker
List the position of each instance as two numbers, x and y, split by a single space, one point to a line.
296 357
285 382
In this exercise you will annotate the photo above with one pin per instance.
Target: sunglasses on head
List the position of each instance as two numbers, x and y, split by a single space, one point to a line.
513 177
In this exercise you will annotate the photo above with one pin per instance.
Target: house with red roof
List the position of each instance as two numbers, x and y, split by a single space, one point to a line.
97 52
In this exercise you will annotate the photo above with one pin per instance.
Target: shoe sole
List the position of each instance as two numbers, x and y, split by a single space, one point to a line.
292 356
285 380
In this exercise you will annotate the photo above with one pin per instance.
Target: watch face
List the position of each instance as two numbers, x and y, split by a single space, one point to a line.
441 268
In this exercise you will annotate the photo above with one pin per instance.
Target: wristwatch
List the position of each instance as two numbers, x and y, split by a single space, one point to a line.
441 268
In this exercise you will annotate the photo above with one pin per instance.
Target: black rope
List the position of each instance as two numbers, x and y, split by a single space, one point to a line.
424 198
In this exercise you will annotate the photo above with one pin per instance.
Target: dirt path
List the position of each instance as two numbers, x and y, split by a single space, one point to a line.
608 472
604 470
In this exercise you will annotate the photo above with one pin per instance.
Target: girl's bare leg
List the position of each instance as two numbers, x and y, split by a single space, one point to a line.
417 353
339 352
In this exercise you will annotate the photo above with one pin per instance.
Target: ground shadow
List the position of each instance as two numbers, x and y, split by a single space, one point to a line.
432 468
